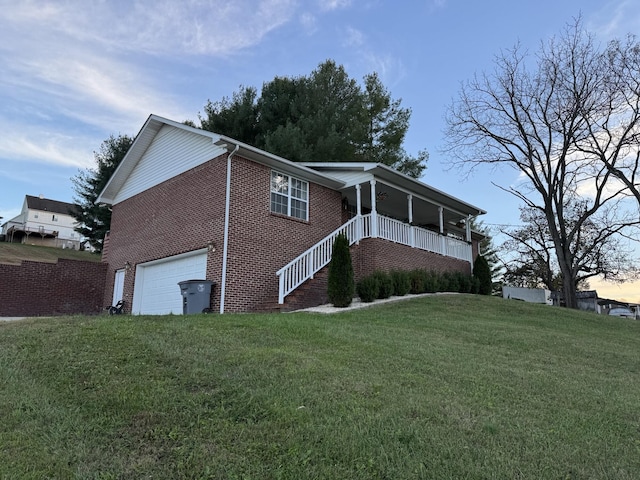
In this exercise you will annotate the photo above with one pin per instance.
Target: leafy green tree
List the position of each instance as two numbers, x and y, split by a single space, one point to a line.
341 283
323 117
94 220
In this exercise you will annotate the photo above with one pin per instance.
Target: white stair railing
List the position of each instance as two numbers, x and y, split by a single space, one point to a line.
306 265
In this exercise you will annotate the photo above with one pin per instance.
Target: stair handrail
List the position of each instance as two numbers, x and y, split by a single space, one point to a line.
308 263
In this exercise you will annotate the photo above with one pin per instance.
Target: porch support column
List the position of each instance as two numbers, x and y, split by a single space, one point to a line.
443 240
412 241
359 227
374 213
468 228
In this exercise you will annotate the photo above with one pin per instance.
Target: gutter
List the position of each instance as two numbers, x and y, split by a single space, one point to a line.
225 249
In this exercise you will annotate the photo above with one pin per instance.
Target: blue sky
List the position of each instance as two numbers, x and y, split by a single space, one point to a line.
76 71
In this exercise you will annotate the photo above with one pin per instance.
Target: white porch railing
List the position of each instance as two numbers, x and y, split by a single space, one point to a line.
306 265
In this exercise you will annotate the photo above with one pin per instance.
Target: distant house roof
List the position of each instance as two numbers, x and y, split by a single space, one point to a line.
48 205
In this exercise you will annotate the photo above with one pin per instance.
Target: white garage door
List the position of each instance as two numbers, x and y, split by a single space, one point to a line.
156 290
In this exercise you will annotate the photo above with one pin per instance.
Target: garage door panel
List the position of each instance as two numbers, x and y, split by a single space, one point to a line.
156 290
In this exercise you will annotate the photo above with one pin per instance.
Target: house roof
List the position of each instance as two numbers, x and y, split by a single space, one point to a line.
48 205
154 124
334 175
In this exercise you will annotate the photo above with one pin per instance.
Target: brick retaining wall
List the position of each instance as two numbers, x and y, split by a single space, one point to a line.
41 289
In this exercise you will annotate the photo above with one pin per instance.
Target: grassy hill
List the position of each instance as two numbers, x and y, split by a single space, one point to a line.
439 387
14 253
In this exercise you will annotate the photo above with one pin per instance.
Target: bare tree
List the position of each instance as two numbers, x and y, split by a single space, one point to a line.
542 122
597 250
612 133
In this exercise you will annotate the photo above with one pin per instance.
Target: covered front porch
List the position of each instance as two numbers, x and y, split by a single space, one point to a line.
379 202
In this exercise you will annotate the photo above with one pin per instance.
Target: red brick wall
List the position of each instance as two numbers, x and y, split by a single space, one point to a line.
187 211
261 242
180 215
370 255
64 288
377 254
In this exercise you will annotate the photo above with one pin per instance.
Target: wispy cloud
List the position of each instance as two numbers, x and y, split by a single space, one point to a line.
615 19
36 143
389 67
90 63
435 5
205 27
354 38
328 5
309 23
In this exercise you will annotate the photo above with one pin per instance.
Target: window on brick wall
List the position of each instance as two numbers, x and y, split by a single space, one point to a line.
289 195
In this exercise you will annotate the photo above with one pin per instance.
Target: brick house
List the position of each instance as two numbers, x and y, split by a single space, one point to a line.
191 204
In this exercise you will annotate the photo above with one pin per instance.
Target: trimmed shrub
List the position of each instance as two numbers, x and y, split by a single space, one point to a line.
482 272
401 282
463 282
385 284
367 289
340 281
448 283
430 280
416 277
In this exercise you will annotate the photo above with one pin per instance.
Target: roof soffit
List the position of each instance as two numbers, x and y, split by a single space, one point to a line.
357 173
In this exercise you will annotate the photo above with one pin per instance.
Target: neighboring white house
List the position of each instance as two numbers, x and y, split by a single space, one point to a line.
43 222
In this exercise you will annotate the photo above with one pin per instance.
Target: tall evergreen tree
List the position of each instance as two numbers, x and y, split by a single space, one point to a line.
324 117
94 220
235 117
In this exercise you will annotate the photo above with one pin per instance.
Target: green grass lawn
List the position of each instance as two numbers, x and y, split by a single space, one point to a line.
14 253
440 387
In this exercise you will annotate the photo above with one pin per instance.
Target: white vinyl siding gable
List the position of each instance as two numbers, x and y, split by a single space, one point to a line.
172 152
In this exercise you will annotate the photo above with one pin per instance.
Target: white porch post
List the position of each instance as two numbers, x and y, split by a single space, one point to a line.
374 213
443 241
412 242
360 227
470 246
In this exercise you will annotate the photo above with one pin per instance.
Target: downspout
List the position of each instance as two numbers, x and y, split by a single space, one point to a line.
225 248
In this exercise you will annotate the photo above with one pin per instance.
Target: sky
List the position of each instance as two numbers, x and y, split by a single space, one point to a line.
74 72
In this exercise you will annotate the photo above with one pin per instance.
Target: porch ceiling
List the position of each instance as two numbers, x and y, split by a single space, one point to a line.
392 202
426 199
